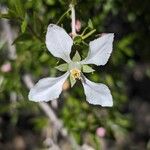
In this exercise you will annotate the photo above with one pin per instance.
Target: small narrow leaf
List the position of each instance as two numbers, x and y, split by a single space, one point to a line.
24 26
87 69
22 37
18 7
72 81
6 15
76 57
62 67
90 24
11 14
37 24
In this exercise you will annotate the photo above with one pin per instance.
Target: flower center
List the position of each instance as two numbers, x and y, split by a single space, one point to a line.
75 73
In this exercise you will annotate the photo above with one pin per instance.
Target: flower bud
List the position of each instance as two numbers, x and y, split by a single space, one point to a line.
101 132
6 67
78 25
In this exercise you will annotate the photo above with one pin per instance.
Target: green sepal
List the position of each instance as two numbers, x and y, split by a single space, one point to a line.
72 81
62 67
78 39
87 69
90 24
76 57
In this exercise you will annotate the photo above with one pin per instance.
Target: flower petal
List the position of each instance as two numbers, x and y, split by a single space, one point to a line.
47 88
97 93
100 50
58 42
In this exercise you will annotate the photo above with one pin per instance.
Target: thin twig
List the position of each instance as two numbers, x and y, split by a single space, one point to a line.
60 19
89 34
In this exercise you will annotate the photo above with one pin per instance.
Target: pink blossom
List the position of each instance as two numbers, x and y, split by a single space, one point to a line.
101 131
6 67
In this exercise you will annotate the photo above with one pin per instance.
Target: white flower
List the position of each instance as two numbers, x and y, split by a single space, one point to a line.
59 44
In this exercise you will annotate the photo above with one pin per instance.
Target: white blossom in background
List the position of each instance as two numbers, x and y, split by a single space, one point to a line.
59 44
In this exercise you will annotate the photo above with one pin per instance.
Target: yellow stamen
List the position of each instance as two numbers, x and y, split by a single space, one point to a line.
75 73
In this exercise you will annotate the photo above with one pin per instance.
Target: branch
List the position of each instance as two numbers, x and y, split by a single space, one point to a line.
44 106
58 124
9 36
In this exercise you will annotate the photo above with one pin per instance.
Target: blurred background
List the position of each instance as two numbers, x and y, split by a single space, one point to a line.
70 122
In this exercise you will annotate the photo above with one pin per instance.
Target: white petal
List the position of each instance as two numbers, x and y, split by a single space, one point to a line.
47 88
58 42
97 93
100 50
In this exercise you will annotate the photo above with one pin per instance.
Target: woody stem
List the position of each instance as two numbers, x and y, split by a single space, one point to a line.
73 18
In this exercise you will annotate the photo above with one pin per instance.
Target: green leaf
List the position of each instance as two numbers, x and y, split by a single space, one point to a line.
5 15
124 45
11 14
62 67
37 24
18 7
24 25
76 57
22 37
50 2
44 57
39 122
72 81
90 24
87 69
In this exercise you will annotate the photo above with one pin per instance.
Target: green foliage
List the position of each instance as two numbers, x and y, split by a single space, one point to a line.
24 25
17 7
39 123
